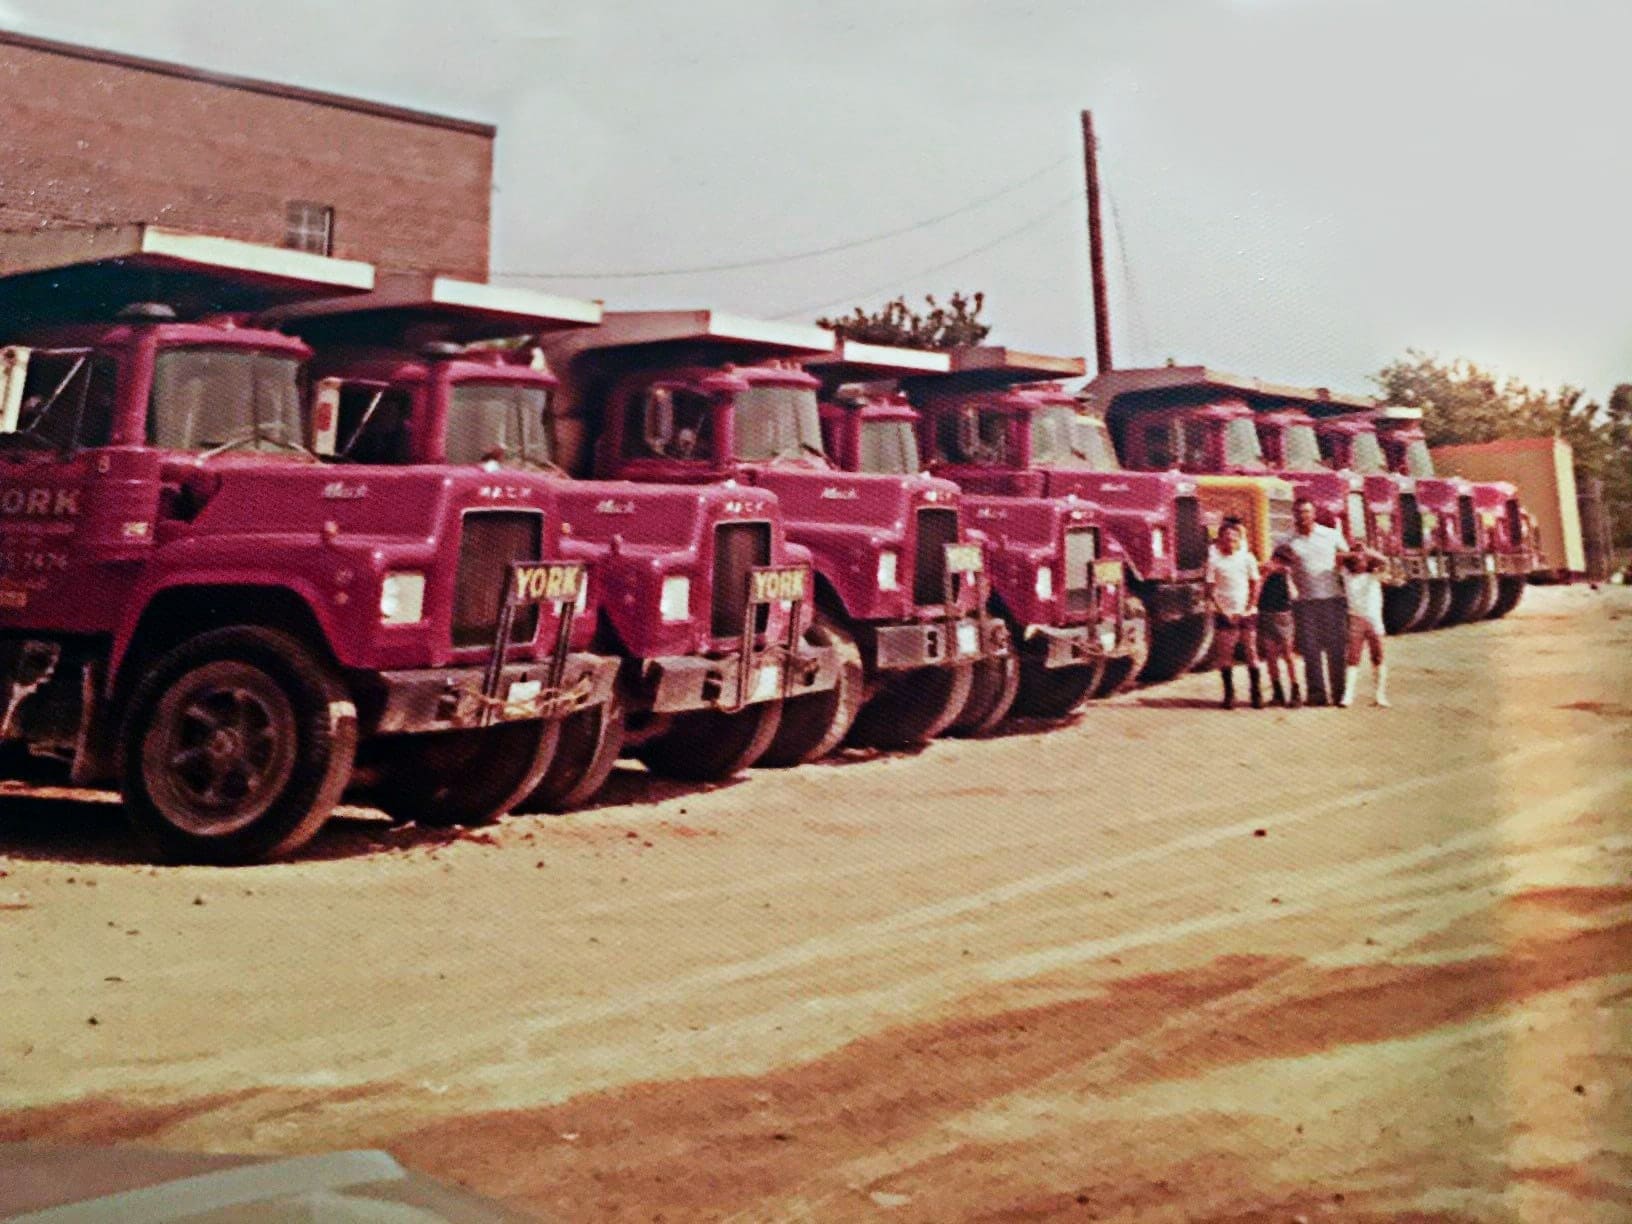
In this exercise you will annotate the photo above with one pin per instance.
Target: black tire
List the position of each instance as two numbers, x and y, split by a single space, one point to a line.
993 685
1176 647
1509 590
235 747
1470 600
710 745
1120 674
469 777
911 708
590 744
1404 606
814 724
1055 692
1439 604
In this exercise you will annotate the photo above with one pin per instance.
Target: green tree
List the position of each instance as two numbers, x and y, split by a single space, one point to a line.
953 325
1465 402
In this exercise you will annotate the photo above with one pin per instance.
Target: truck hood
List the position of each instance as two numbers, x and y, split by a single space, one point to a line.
860 499
651 515
344 500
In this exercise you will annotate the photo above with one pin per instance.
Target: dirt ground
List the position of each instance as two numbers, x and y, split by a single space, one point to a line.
1167 964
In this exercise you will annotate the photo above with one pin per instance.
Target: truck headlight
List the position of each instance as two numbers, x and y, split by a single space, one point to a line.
1158 542
889 577
402 598
1045 582
674 603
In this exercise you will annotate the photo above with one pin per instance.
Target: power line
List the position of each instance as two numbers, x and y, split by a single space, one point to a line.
1047 214
768 260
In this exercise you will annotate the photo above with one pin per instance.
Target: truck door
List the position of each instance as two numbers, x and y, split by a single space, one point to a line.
73 508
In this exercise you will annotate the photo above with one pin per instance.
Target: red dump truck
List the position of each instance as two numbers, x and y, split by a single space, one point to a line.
1001 425
1452 524
704 397
702 597
1057 578
197 609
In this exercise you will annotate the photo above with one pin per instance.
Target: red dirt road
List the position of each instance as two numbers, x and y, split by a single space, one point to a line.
1168 964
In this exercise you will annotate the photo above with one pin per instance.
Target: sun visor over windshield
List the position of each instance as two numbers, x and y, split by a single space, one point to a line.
91 274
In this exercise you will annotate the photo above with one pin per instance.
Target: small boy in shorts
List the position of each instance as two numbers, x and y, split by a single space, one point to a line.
1232 590
1363 588
1275 631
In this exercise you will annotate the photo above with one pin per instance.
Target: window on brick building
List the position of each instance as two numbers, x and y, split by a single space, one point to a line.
309 227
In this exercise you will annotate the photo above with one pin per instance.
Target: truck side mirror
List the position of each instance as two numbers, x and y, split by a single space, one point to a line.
326 417
658 422
13 377
969 442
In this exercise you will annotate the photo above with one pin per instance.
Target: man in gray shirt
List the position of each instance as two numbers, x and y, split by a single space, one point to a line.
1319 610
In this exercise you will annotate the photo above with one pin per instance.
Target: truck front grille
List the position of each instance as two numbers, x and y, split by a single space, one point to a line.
1410 522
1081 551
936 529
738 548
1515 523
1190 547
1467 521
489 541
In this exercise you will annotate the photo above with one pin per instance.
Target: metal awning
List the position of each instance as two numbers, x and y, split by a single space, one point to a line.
1170 386
856 362
420 307
91 273
687 337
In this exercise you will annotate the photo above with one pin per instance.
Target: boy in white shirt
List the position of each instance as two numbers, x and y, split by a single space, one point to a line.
1363 588
1232 589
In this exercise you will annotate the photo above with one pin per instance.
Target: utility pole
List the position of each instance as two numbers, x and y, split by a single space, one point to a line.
1096 248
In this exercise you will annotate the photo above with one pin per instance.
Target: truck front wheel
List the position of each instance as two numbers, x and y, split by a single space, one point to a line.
813 724
1509 591
1055 692
470 777
711 745
1439 604
1404 606
912 707
235 747
590 744
1176 647
993 685
1119 674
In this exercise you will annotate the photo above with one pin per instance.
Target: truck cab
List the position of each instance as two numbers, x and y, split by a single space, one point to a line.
196 608
703 599
1067 636
702 397
1004 426
1451 521
1348 442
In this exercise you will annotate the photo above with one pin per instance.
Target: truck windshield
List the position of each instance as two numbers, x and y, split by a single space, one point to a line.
970 435
1302 449
1241 447
774 422
1061 438
220 399
1366 454
1091 441
889 447
1418 462
499 422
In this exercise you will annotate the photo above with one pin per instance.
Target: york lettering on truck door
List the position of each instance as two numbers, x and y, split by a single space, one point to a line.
60 407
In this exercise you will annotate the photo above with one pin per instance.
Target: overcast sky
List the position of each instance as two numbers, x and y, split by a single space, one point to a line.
1305 188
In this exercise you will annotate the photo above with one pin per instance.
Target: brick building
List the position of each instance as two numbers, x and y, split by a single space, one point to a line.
94 137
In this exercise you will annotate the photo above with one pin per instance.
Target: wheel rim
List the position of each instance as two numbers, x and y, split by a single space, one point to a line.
221 748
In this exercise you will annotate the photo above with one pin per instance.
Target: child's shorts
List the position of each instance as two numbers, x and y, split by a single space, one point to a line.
1363 633
1274 632
1230 632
